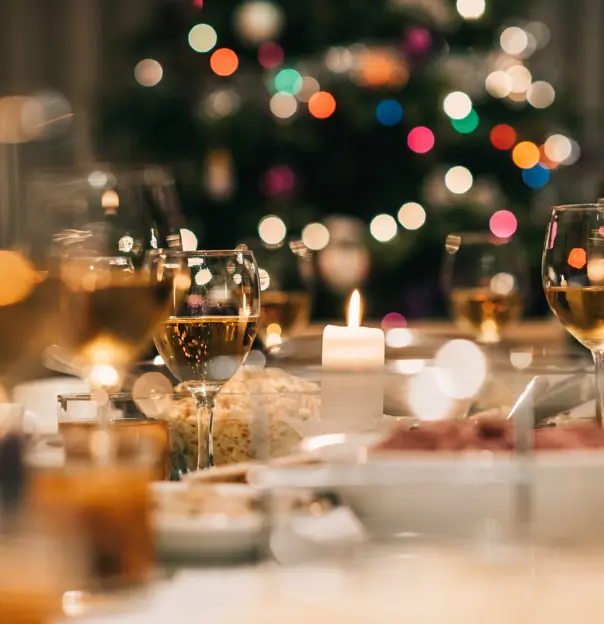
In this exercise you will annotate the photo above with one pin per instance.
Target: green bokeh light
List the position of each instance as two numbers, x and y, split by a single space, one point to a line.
288 81
467 124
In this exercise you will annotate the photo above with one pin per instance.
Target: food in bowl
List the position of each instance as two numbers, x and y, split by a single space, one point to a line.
258 414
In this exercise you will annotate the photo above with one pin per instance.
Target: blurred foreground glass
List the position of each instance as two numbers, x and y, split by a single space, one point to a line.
141 418
573 279
286 281
484 278
211 330
103 222
105 503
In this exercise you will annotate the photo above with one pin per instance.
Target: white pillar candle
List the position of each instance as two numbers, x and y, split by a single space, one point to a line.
352 359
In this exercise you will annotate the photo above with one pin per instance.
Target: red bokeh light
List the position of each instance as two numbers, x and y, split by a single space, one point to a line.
503 224
503 137
270 55
420 140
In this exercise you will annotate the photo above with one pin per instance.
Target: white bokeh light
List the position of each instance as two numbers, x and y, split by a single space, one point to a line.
459 180
426 399
399 337
383 227
521 359
558 148
283 105
503 283
498 84
411 216
272 230
457 105
315 236
265 279
514 40
461 369
541 94
521 78
471 9
202 38
189 240
148 73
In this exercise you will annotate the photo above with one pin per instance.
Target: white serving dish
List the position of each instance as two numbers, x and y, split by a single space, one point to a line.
206 536
454 495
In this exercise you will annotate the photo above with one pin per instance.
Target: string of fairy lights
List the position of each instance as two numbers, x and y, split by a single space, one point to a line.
296 89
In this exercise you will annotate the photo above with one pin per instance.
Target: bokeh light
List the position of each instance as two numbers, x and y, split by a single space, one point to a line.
383 227
466 125
339 60
270 55
278 181
521 359
457 105
272 230
503 224
315 236
411 216
393 320
575 153
265 279
418 40
283 105
460 382
17 277
514 40
536 177
222 103
471 9
540 32
577 258
459 180
426 399
558 148
399 337
189 240
525 155
389 112
257 21
503 283
288 81
503 137
310 86
322 105
148 72
498 84
420 140
202 38
224 62
521 78
541 94
545 160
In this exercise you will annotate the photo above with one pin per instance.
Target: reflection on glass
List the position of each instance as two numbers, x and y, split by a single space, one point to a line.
484 278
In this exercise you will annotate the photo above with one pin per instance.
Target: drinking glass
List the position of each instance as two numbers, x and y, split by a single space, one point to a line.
103 222
573 279
211 330
485 280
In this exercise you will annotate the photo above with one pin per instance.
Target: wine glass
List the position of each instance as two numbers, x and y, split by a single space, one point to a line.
104 221
573 279
211 330
485 280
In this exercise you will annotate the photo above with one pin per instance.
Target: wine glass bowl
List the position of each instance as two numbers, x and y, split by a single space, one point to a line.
485 280
573 279
212 325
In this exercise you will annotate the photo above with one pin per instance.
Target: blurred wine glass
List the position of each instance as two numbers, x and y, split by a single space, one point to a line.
573 279
286 281
211 330
104 221
484 278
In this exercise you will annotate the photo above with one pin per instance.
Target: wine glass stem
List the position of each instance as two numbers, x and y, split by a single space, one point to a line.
599 366
205 428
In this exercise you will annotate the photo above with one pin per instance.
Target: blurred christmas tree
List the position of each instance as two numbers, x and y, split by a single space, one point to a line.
368 130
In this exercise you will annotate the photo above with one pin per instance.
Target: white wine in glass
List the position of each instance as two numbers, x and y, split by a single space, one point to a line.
573 279
484 278
211 330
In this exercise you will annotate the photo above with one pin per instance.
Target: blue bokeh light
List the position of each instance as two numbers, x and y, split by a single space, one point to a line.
389 112
536 177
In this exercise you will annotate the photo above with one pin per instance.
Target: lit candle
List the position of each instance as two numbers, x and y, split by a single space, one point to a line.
352 358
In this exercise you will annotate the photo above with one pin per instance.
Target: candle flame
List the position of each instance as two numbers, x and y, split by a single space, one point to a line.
354 310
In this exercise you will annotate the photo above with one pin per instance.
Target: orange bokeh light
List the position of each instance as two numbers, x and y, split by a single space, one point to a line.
526 155
546 162
577 258
503 137
224 62
322 105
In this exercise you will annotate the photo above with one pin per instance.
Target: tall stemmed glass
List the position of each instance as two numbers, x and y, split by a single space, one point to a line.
104 222
573 279
211 330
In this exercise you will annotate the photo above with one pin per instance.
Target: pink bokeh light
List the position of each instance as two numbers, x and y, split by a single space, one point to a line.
278 181
270 55
420 140
554 231
418 40
393 320
503 224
